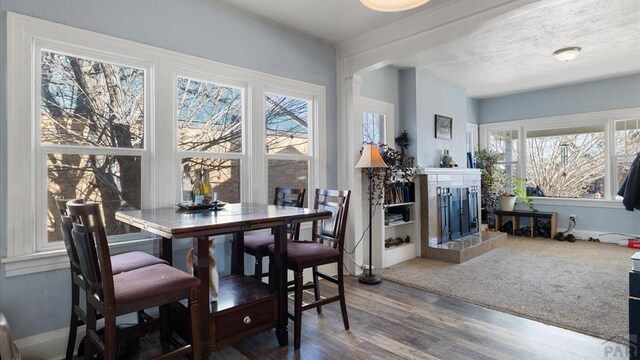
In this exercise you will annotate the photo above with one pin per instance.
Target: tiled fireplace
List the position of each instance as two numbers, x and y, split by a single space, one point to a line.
449 212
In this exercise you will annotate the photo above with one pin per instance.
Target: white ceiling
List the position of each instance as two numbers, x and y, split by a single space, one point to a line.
511 53
332 21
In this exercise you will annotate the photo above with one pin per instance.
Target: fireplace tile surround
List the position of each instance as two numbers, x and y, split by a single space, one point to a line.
462 249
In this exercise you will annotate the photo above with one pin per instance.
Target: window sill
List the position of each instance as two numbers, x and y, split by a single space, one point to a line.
604 204
57 259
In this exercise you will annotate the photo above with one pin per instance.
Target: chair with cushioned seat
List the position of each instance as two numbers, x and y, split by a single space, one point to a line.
256 244
120 263
325 247
112 295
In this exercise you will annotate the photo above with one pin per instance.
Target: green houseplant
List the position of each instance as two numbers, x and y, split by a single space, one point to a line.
505 189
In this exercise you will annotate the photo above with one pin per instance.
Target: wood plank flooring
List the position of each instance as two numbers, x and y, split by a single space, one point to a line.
393 321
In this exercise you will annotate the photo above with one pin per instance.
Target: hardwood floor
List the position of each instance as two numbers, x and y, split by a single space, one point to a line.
393 321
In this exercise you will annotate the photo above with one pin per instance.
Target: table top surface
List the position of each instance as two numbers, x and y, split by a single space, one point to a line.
175 223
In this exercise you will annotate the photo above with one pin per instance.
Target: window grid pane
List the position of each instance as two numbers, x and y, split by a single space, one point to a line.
373 128
224 177
286 125
287 173
112 181
570 165
209 116
90 103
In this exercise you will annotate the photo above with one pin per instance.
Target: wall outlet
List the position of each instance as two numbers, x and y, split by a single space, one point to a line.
366 268
572 217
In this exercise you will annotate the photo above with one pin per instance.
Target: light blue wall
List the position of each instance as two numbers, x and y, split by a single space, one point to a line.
384 85
197 27
436 96
615 93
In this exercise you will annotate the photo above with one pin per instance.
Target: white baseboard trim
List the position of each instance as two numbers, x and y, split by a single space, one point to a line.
49 346
609 238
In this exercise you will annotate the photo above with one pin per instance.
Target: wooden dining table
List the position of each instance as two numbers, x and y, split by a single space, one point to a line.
244 306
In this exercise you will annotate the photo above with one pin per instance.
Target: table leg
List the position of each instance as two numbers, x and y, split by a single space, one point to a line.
280 283
237 253
166 250
201 270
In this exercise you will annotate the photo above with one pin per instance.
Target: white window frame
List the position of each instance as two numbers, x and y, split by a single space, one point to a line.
195 72
313 149
26 35
604 118
379 107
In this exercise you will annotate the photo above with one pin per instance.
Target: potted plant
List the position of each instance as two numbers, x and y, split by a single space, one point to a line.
505 189
487 162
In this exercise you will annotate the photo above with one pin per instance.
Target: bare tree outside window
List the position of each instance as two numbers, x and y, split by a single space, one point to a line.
209 117
373 125
286 121
91 104
580 174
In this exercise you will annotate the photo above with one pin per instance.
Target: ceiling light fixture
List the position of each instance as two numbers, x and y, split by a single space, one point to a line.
392 5
567 54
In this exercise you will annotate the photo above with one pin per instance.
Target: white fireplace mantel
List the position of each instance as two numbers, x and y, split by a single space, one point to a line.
446 171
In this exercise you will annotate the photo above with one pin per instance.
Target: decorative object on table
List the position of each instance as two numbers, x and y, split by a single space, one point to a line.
189 206
447 160
213 269
444 127
392 5
369 161
197 190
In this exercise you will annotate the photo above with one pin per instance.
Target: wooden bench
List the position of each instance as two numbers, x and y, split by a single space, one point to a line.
532 215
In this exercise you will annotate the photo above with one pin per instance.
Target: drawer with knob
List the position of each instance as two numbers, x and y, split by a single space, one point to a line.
243 321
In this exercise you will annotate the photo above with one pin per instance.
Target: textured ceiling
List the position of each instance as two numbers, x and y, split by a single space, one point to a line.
509 54
512 53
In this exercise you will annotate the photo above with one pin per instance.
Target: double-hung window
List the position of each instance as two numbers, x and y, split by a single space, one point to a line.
581 156
287 120
91 127
210 117
128 126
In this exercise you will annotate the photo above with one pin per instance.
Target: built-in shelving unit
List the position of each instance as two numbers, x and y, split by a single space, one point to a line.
397 219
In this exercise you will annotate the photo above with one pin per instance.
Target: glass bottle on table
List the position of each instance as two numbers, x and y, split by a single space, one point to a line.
187 184
197 190
206 184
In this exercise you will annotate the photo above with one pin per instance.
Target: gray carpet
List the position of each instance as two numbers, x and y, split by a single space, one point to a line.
580 286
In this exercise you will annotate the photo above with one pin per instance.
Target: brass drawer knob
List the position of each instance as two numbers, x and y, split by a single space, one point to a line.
246 320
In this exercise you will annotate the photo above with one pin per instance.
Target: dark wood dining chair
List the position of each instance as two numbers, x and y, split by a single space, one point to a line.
256 244
112 295
120 263
325 247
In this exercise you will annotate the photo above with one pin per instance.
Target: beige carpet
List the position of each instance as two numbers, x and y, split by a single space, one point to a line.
581 286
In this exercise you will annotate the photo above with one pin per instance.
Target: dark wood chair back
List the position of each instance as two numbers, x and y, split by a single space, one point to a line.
90 240
66 226
157 284
331 231
290 197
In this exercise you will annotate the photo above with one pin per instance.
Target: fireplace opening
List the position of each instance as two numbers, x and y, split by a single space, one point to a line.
457 212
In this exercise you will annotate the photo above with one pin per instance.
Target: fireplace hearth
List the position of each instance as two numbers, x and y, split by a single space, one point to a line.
449 215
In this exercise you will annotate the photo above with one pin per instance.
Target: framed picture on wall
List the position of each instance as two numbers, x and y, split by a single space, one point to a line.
444 127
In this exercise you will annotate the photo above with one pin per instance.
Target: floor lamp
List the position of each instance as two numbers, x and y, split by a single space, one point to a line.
369 161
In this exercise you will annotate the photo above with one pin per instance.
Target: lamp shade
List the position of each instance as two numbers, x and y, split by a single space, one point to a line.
392 5
370 158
